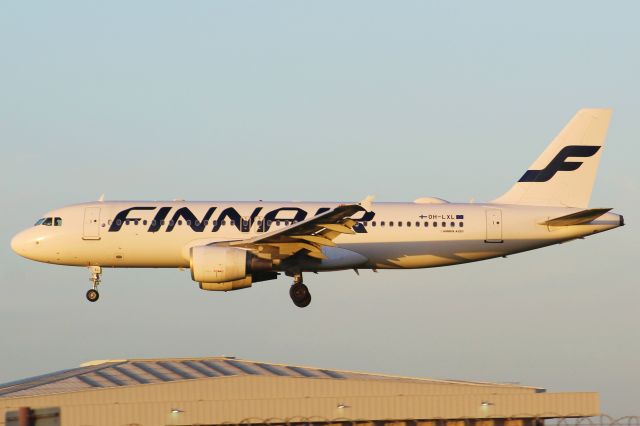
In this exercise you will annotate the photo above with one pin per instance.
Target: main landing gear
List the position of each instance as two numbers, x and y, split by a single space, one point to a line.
299 292
92 294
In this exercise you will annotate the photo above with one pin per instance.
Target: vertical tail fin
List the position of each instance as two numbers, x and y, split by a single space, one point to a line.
565 172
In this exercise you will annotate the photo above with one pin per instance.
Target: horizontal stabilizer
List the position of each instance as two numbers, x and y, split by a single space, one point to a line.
579 218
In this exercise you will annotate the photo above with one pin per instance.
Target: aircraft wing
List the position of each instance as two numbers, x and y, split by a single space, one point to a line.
308 236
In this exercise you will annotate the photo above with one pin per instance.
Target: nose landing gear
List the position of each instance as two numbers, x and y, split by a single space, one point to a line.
92 294
299 292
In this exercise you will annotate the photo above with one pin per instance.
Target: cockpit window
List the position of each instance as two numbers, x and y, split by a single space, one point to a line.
49 221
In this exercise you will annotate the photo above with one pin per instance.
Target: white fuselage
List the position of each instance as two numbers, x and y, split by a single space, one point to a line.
231 245
391 235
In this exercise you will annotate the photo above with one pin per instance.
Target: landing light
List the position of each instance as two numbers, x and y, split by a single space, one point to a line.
176 411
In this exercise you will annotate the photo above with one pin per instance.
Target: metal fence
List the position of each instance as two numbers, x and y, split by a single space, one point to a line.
602 420
546 419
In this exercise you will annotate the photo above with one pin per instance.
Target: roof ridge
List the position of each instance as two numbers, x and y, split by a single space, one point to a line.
370 374
395 376
102 361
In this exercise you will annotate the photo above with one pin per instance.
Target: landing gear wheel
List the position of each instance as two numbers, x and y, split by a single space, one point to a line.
96 273
303 303
298 292
300 295
93 295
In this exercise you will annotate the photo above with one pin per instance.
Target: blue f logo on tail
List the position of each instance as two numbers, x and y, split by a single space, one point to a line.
558 164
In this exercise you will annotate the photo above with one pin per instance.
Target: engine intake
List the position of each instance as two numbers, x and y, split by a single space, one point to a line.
230 268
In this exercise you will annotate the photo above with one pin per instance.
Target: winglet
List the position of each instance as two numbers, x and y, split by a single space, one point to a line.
101 199
366 203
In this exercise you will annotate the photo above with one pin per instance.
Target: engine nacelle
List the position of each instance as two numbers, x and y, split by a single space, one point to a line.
213 264
238 284
228 285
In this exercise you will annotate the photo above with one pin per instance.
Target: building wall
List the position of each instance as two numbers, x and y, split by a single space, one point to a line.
240 399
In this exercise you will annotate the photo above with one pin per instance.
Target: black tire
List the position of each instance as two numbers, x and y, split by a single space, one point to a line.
93 295
303 303
298 293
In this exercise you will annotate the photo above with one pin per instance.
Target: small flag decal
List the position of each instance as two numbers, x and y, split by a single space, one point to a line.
459 216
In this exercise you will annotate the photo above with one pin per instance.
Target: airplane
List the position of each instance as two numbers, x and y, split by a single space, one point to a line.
231 245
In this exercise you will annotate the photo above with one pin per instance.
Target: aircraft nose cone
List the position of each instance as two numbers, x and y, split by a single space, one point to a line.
18 244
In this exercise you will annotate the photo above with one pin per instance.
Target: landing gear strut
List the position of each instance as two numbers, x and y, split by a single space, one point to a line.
299 292
92 294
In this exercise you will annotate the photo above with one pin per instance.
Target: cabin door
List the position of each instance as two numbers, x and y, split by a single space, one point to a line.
91 228
494 226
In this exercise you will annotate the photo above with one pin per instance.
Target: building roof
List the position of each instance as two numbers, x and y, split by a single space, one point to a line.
116 373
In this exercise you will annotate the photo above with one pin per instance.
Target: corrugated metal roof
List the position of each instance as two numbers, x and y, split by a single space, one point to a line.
107 374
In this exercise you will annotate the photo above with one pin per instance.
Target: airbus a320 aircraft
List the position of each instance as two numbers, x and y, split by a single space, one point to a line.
231 245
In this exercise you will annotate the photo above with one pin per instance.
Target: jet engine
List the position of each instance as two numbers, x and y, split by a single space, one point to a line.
226 268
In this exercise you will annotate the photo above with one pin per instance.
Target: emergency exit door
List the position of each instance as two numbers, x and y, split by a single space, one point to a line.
494 226
91 228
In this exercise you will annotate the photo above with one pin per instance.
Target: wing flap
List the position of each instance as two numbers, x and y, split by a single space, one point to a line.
315 239
341 229
308 236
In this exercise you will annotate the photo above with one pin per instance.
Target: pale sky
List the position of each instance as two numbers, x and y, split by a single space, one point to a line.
323 101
